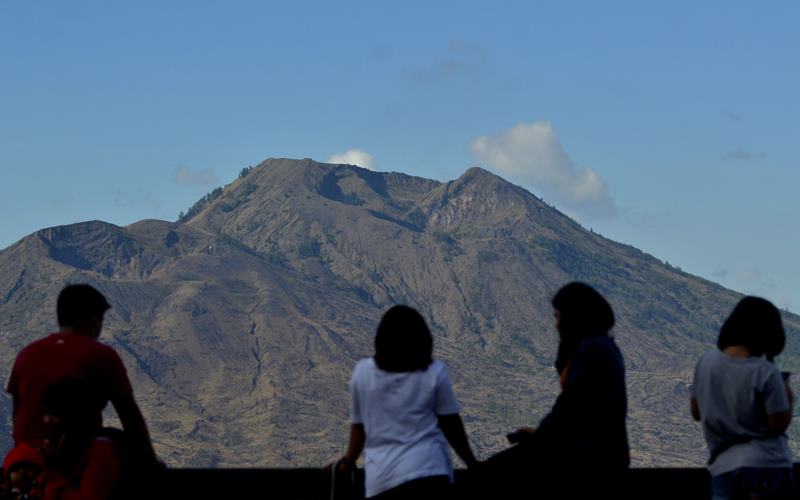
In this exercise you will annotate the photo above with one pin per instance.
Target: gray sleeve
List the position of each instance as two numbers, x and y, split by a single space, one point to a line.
774 393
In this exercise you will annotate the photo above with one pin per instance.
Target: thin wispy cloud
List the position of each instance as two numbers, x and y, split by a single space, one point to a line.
185 176
739 154
532 154
357 157
732 116
461 57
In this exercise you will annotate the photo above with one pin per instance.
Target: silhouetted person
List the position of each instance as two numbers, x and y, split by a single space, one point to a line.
580 449
745 406
404 413
75 352
79 463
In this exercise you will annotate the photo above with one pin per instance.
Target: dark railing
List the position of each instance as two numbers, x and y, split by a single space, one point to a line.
310 484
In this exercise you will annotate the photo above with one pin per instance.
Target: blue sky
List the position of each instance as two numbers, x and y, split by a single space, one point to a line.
671 126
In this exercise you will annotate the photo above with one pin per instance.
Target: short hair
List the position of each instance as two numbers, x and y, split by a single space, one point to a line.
79 304
403 342
584 312
756 324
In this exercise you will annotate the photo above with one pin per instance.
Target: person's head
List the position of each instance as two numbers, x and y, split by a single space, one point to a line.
756 325
21 468
581 312
403 342
81 308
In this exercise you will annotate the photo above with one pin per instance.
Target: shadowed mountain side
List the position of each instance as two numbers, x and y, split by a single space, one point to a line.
240 323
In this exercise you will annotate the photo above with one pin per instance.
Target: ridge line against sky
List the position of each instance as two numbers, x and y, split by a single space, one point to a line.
668 127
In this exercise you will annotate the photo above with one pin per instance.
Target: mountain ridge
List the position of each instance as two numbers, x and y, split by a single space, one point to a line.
239 323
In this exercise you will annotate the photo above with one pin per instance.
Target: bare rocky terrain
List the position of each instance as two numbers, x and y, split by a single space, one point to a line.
240 322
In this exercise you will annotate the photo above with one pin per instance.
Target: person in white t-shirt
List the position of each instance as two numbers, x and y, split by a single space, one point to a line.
403 413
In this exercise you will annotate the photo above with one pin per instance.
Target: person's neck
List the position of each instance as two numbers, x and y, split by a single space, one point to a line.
76 330
737 351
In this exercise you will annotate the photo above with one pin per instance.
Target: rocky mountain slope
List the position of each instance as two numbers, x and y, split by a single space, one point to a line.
240 323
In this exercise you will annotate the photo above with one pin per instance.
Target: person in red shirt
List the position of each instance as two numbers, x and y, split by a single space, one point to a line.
75 352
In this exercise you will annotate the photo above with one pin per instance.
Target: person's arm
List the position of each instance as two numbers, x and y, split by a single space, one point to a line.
13 389
134 425
453 429
576 394
695 409
778 423
356 444
778 396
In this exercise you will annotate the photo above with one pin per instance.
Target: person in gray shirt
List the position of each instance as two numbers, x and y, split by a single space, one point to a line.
744 405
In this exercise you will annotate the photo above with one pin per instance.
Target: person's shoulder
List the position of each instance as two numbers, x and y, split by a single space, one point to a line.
711 356
765 368
35 344
35 347
437 367
598 345
364 365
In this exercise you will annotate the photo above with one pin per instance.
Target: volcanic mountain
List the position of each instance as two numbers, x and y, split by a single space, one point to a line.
240 322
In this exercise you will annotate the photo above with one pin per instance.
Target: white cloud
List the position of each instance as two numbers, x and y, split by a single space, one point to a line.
186 176
531 153
355 157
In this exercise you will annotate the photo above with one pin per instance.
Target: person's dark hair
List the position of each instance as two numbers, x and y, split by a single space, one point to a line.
583 313
756 324
403 342
78 304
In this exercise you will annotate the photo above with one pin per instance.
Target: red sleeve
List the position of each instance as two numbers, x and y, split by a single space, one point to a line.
97 480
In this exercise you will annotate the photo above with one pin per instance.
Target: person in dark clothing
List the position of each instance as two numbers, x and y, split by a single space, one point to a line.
581 447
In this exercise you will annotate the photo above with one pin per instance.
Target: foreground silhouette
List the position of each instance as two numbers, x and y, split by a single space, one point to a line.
403 413
580 449
745 406
74 354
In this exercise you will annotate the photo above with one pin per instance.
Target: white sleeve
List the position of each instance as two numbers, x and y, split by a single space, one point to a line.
446 403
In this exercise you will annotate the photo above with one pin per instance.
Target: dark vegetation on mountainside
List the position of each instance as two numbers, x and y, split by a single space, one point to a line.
240 322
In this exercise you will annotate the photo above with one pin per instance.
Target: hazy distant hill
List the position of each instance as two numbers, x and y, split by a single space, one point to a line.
240 323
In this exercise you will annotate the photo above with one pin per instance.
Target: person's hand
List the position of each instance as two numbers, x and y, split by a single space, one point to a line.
521 435
343 466
52 449
525 434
